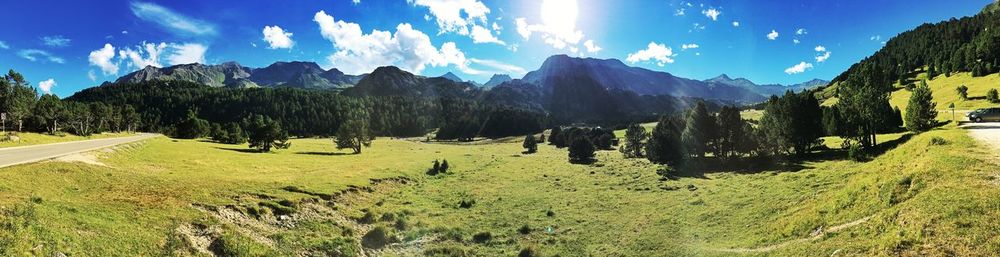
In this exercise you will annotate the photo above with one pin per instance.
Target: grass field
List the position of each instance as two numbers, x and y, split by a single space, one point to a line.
183 197
943 91
27 139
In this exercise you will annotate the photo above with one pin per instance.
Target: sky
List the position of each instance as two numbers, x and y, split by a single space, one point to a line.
64 46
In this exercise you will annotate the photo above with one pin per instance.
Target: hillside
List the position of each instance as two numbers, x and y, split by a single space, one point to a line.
767 89
280 74
612 74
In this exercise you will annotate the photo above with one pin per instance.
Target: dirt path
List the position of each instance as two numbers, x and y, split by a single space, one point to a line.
817 234
986 132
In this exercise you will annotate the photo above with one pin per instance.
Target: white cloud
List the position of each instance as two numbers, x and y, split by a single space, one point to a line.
658 52
356 1
712 13
801 31
407 48
55 41
187 53
822 57
46 85
559 32
875 38
277 38
449 13
736 24
3 45
773 35
124 32
102 59
499 67
591 47
796 41
689 46
799 68
145 54
40 55
679 12
484 35
171 20
820 49
91 75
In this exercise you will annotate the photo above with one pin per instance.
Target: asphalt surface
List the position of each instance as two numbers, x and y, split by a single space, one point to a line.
27 154
987 132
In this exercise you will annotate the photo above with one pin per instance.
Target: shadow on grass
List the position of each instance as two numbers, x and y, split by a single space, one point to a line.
324 153
242 150
699 167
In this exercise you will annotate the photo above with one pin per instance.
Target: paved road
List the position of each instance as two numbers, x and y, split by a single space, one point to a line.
28 154
987 132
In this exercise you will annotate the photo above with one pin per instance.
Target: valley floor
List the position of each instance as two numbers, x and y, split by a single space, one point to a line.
191 198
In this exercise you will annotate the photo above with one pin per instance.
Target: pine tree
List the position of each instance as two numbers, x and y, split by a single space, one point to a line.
963 92
353 135
920 112
993 96
444 166
49 110
664 145
263 133
530 144
731 132
700 130
635 137
581 150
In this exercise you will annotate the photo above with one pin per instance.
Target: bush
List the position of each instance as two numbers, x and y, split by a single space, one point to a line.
938 141
466 203
367 218
528 252
581 151
524 230
192 127
377 238
993 96
855 153
482 237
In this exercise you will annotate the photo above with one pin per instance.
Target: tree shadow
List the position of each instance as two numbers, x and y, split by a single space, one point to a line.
700 167
324 153
242 150
977 97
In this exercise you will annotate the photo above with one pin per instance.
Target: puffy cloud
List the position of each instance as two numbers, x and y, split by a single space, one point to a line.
679 12
3 45
773 35
820 49
171 20
55 41
40 55
657 52
712 13
689 46
591 47
46 85
91 75
187 53
736 24
356 1
558 32
822 57
102 59
407 48
484 35
801 31
277 38
449 13
145 54
799 68
796 41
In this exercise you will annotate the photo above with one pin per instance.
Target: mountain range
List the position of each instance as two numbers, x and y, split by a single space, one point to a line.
607 74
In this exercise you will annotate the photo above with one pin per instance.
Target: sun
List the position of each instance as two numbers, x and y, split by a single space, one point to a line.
560 15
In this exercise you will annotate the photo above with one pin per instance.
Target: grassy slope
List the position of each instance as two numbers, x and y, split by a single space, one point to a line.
27 139
943 90
925 199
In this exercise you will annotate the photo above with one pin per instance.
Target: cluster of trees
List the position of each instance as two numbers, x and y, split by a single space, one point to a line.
583 141
725 135
969 44
25 110
163 104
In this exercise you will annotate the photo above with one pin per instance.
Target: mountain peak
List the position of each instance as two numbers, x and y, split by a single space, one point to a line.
452 77
497 79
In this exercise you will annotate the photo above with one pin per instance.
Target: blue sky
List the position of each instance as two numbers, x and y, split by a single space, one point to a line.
64 46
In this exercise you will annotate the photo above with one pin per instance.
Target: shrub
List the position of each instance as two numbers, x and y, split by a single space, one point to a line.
581 151
530 144
482 237
938 141
993 96
855 153
524 230
528 252
367 218
377 238
466 203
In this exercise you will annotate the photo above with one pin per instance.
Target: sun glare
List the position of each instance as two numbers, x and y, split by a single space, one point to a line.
560 15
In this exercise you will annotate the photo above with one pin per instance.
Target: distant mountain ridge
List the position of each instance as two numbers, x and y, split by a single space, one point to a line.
496 80
766 89
231 74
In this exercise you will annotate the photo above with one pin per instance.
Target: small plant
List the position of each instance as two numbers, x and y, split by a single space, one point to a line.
482 237
466 203
855 153
377 238
963 92
524 230
367 218
550 213
665 171
938 141
527 252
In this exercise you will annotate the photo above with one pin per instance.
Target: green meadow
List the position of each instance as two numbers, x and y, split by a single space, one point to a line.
165 197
